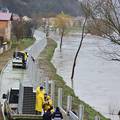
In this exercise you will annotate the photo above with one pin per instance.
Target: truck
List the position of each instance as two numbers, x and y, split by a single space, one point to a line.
20 59
19 104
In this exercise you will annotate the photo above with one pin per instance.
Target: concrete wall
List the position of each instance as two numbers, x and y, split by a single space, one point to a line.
8 31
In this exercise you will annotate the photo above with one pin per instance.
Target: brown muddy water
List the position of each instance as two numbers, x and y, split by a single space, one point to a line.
96 79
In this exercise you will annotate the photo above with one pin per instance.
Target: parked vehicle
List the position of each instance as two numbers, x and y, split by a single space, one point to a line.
20 59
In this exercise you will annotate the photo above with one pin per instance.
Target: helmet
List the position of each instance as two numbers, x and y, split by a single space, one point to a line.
48 97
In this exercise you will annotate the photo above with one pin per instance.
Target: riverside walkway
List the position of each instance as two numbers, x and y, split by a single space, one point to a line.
12 77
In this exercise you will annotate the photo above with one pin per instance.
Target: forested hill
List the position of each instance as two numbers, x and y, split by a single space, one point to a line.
42 7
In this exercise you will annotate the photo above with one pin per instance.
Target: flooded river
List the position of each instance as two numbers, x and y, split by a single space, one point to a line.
96 80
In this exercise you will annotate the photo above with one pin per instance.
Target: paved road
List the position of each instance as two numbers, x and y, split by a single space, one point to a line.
10 78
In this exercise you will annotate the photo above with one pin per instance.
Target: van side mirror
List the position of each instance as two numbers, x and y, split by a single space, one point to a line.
4 96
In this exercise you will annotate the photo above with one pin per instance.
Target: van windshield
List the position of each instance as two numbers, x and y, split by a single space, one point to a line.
18 54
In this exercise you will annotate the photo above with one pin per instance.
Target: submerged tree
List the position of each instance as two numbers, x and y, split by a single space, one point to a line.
62 23
87 12
105 18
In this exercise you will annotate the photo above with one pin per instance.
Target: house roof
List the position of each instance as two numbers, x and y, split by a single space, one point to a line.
5 16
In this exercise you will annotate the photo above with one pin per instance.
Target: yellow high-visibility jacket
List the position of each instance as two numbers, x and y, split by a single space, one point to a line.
25 56
38 90
47 103
39 99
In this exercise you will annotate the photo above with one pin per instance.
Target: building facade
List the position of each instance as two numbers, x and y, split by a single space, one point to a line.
5 26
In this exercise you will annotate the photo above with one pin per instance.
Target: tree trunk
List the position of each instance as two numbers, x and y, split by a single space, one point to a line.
76 55
61 40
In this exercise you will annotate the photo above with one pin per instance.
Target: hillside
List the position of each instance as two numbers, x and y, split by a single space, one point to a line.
42 7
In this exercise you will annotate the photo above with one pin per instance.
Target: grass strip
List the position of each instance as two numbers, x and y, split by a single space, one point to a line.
21 45
50 72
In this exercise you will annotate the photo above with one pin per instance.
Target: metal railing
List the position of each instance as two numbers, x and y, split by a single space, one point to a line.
33 71
71 115
68 114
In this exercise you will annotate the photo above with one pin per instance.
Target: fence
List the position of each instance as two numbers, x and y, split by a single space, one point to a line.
68 113
33 77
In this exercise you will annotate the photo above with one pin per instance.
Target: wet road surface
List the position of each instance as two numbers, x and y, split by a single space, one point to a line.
12 77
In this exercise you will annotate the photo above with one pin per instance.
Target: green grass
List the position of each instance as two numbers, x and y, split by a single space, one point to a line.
50 72
21 45
24 43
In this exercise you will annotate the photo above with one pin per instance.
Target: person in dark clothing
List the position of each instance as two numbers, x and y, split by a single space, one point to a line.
33 59
47 115
57 115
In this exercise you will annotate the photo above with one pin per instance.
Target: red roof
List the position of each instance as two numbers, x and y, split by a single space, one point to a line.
5 16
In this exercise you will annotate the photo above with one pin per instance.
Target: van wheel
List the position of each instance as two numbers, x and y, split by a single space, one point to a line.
24 66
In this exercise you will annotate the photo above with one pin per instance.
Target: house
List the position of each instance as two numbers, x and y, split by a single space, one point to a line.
26 19
5 26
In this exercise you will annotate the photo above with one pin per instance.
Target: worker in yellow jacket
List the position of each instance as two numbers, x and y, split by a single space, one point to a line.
47 103
39 99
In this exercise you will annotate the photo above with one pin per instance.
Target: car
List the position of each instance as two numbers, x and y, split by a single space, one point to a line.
20 59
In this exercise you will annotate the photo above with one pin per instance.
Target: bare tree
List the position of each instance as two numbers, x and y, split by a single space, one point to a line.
105 17
113 111
22 29
87 13
62 22
18 29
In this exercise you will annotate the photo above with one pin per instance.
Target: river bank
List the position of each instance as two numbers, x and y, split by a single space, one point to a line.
96 79
50 71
